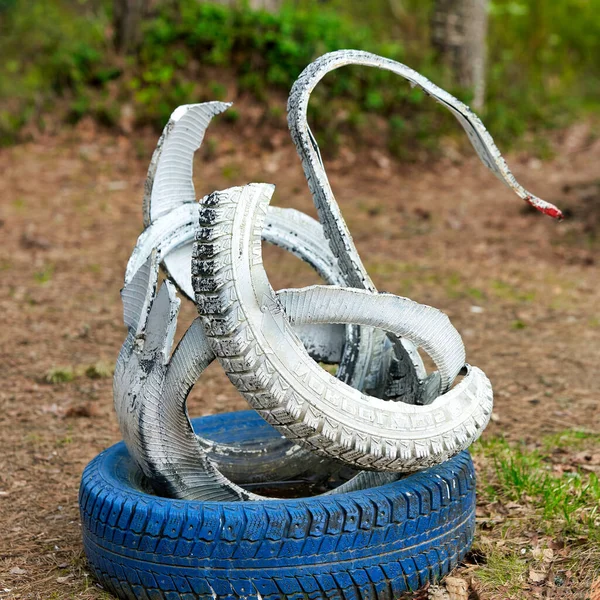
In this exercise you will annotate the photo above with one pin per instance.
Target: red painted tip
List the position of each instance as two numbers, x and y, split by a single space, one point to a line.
545 207
553 212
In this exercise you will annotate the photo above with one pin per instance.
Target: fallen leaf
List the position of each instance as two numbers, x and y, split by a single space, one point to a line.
29 240
587 458
458 588
63 579
41 458
17 571
537 576
127 118
380 159
435 592
52 409
548 555
116 186
557 544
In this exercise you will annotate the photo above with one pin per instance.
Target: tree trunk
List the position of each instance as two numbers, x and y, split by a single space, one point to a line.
127 18
270 5
459 31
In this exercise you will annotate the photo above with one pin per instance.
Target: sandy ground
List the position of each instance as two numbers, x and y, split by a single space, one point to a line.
522 290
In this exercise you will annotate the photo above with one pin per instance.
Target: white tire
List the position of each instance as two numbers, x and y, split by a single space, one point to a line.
251 335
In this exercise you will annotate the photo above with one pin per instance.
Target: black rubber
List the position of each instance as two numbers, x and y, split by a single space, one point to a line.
375 543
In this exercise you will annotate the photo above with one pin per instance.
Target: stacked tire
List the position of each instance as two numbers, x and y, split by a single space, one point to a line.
375 543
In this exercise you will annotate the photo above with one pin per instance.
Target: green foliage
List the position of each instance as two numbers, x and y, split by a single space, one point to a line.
568 502
47 50
59 375
100 370
265 52
543 59
543 68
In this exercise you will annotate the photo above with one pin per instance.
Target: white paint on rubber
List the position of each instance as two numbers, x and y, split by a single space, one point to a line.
253 339
150 393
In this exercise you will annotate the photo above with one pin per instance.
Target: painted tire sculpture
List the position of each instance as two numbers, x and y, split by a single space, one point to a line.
375 543
150 392
187 509
171 218
248 328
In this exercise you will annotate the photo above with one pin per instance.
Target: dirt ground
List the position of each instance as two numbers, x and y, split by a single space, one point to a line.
522 289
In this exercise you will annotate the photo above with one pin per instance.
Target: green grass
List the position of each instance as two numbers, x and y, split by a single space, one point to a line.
571 439
44 275
536 493
59 375
230 171
503 570
332 369
506 291
100 370
568 502
64 441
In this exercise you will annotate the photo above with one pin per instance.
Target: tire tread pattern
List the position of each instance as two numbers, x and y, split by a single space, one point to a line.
372 544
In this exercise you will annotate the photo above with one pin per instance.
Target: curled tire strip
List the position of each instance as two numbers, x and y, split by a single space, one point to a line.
169 181
174 233
249 332
427 327
150 393
366 356
170 217
330 215
376 543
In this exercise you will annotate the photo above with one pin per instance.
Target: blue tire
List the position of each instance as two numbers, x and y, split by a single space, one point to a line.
371 544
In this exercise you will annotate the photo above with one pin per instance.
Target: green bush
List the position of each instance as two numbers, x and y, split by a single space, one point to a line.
48 51
266 52
543 68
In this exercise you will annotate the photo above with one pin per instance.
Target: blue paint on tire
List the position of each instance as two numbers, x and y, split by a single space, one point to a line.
371 544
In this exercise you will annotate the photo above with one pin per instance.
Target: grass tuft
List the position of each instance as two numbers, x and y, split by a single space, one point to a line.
59 375
100 370
536 497
502 570
44 275
568 501
332 369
